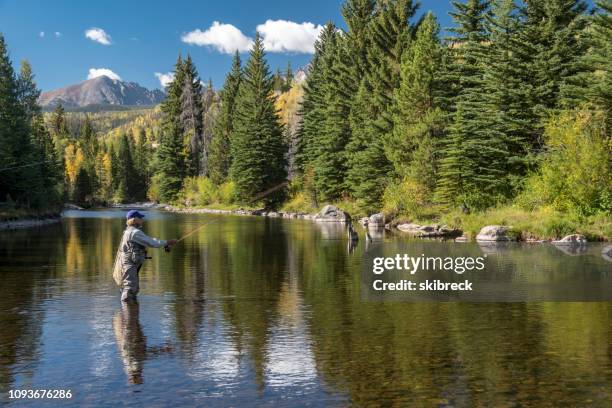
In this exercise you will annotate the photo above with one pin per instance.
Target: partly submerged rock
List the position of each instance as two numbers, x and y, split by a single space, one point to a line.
70 206
495 233
573 239
330 213
376 220
606 253
428 231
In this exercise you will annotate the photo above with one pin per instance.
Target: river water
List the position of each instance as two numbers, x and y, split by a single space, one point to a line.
252 311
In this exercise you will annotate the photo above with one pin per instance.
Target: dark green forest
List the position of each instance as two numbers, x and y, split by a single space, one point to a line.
506 117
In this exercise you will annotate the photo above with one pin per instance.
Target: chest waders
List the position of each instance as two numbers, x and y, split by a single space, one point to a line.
128 261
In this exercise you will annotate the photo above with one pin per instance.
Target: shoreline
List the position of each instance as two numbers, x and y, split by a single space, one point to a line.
374 223
258 213
29 222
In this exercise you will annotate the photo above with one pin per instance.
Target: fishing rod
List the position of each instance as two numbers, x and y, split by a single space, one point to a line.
257 197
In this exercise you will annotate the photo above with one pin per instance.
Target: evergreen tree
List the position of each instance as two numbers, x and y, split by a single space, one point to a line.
219 157
505 94
277 81
593 83
258 149
83 190
45 171
288 83
368 167
171 153
311 109
210 111
15 146
469 170
551 45
59 126
358 15
126 174
331 135
417 118
191 114
141 155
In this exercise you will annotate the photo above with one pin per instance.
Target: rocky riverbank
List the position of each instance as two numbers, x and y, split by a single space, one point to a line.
29 222
330 213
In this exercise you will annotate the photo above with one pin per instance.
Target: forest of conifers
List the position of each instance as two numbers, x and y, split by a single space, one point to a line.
510 108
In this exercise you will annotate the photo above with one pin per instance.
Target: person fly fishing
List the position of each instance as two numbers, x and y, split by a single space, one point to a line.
132 253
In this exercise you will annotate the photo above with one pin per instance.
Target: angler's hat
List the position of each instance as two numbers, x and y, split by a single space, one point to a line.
134 214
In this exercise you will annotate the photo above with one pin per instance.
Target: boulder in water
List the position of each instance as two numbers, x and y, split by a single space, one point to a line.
330 213
376 220
428 231
573 239
495 233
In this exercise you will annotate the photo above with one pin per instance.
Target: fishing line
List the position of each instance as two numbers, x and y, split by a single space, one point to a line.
257 197
23 165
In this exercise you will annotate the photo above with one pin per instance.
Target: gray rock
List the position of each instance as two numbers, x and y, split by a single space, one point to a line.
572 239
272 214
376 220
70 206
330 213
606 253
494 233
428 231
364 221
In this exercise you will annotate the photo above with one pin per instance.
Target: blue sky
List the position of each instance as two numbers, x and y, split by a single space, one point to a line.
64 40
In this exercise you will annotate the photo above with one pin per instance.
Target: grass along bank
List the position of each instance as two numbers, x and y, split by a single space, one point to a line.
543 223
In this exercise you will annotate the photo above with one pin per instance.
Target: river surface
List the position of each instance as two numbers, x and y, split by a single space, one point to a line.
253 311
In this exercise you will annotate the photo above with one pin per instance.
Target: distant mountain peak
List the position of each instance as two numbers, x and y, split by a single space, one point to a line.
101 91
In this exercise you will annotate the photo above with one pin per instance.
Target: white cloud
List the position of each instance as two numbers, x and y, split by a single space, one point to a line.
96 72
57 34
164 79
225 38
98 35
288 36
41 34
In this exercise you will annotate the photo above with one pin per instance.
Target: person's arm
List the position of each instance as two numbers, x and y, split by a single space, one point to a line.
143 239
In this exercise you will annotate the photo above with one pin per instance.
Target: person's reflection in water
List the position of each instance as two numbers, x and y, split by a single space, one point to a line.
132 342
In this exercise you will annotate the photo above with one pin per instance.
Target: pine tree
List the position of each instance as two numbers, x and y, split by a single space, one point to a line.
551 44
505 94
277 81
258 149
593 83
191 114
368 168
126 174
288 83
469 169
15 146
311 108
59 126
141 155
172 153
333 133
210 111
219 157
417 117
45 171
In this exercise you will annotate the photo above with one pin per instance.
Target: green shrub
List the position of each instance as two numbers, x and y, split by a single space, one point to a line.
575 175
227 193
408 198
